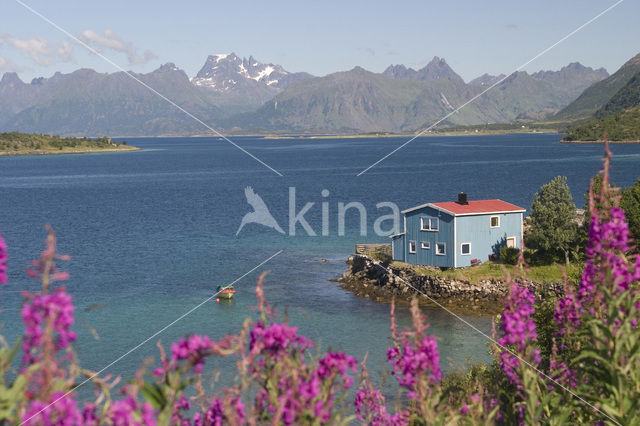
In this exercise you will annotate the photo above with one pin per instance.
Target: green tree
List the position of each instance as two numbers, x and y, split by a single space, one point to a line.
630 203
553 229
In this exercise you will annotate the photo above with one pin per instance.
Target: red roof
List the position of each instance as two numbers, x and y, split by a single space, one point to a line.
478 207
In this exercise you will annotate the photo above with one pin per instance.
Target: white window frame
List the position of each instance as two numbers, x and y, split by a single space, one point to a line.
514 241
491 221
429 221
414 246
425 245
462 253
444 249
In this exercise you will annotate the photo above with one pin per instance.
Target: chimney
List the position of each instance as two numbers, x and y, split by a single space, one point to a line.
462 198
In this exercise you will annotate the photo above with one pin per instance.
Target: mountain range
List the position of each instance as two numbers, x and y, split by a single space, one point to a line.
405 100
618 116
598 94
245 95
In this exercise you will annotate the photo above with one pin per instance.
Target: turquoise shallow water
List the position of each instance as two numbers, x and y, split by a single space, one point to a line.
152 233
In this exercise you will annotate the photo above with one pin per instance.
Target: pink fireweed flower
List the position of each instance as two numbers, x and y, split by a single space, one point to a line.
239 410
89 416
276 338
473 400
63 412
45 269
194 348
333 365
517 323
180 406
415 357
608 243
41 311
518 330
370 402
339 363
3 261
409 363
214 416
562 373
128 412
298 390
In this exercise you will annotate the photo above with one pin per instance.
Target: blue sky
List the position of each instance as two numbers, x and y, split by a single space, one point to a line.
319 37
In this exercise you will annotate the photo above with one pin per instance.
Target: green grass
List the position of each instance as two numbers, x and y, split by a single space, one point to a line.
15 143
492 270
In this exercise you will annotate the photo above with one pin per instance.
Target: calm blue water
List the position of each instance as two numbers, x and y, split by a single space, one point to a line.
152 233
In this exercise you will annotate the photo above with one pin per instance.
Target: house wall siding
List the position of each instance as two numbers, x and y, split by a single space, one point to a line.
444 234
485 241
398 248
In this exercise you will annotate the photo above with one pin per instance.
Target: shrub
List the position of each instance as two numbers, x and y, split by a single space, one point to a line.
509 255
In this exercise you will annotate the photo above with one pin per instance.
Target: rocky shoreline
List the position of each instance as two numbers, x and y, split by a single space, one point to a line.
366 278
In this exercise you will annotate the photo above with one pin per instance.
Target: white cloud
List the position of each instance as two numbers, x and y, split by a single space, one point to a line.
65 51
41 51
37 48
111 40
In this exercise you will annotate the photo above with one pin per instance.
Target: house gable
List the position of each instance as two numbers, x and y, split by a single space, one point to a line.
429 237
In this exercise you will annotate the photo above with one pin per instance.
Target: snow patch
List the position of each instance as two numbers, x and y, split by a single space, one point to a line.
206 82
264 73
243 70
445 101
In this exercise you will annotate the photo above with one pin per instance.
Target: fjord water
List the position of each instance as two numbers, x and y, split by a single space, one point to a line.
152 233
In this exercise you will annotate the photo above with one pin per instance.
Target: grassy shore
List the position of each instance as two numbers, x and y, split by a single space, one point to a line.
14 143
497 271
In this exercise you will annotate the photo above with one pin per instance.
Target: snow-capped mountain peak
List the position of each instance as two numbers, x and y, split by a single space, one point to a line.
224 72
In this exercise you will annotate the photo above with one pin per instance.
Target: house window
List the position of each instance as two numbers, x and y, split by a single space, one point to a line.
412 246
511 242
428 223
425 245
495 221
441 249
465 248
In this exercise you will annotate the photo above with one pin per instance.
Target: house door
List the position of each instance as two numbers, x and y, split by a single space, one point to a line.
511 242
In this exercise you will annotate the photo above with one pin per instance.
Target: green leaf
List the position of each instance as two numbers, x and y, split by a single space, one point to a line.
154 394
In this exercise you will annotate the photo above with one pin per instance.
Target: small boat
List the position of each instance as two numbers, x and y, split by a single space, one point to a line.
225 291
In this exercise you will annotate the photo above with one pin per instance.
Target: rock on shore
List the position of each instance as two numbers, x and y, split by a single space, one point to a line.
366 278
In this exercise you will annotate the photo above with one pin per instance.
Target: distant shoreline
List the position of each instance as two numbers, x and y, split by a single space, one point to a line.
600 142
410 135
346 136
63 152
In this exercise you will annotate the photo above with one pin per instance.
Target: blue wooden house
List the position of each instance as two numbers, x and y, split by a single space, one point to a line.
457 233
